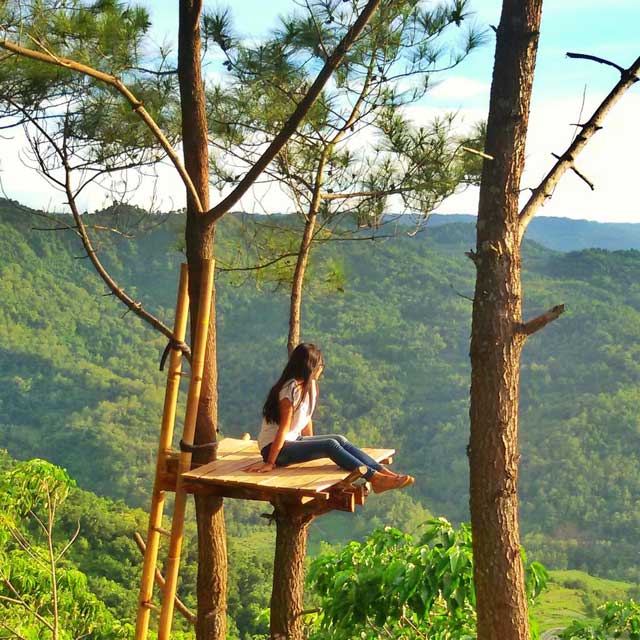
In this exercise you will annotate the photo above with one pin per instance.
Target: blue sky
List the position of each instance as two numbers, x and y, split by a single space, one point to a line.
568 25
610 30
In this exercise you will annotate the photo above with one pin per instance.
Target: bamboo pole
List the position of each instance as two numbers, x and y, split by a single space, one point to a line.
166 436
184 464
180 606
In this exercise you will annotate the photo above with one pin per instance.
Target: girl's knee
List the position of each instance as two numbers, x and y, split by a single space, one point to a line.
341 440
331 444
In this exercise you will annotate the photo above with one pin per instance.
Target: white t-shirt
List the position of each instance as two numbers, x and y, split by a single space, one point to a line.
302 412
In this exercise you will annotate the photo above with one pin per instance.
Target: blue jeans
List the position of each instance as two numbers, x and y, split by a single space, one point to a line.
336 447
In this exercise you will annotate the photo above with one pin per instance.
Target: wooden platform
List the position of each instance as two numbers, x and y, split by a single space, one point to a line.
317 480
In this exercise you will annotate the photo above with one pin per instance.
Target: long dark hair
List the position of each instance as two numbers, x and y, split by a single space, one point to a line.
304 361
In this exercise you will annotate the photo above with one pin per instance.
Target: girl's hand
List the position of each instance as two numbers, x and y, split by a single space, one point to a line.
260 467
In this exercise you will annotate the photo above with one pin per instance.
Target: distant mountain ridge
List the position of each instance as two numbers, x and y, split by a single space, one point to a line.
557 233
565 234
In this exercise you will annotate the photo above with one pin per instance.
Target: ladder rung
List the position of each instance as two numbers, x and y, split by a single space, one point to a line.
150 605
184 374
161 531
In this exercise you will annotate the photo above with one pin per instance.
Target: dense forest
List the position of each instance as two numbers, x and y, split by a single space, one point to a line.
81 387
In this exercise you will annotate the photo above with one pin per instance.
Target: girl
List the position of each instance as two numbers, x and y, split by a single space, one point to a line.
286 436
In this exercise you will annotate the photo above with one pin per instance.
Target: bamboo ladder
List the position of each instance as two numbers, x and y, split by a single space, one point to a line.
166 436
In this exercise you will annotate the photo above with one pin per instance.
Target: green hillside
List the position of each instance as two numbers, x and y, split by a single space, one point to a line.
564 234
80 386
572 595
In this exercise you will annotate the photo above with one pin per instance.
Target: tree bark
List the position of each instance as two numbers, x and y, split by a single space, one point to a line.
212 552
298 281
496 336
288 572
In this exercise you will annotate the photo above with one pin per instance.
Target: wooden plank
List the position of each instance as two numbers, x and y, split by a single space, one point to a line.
228 464
234 445
172 459
329 480
247 480
343 502
231 448
251 491
306 478
236 461
300 478
359 491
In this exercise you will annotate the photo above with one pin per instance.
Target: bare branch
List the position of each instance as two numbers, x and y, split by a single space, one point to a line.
259 266
156 72
461 295
482 154
71 541
578 173
541 321
545 189
586 56
362 194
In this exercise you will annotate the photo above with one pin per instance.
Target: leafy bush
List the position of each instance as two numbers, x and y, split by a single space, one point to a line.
393 586
616 620
40 592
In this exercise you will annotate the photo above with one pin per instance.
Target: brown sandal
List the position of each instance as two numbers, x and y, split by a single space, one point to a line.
386 483
408 481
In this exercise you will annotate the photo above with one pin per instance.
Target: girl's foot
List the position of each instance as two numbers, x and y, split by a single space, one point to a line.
381 482
392 474
407 480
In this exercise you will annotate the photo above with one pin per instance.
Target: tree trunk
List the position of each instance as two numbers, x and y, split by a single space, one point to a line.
288 573
212 552
496 340
305 249
298 282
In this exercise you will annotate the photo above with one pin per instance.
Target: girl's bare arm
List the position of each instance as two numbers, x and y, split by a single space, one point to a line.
286 414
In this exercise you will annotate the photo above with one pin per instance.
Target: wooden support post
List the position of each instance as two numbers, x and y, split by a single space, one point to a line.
166 436
292 524
193 398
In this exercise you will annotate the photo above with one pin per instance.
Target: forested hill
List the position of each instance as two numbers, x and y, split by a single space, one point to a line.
564 234
80 386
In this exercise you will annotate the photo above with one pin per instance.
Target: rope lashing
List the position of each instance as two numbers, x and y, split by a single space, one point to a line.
178 345
192 448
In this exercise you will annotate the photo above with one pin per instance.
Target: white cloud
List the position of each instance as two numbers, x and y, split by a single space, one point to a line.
609 161
459 88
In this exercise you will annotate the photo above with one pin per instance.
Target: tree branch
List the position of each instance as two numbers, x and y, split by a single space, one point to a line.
578 173
482 154
132 305
545 189
259 266
117 84
333 61
12 631
363 194
541 321
20 600
71 541
586 56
